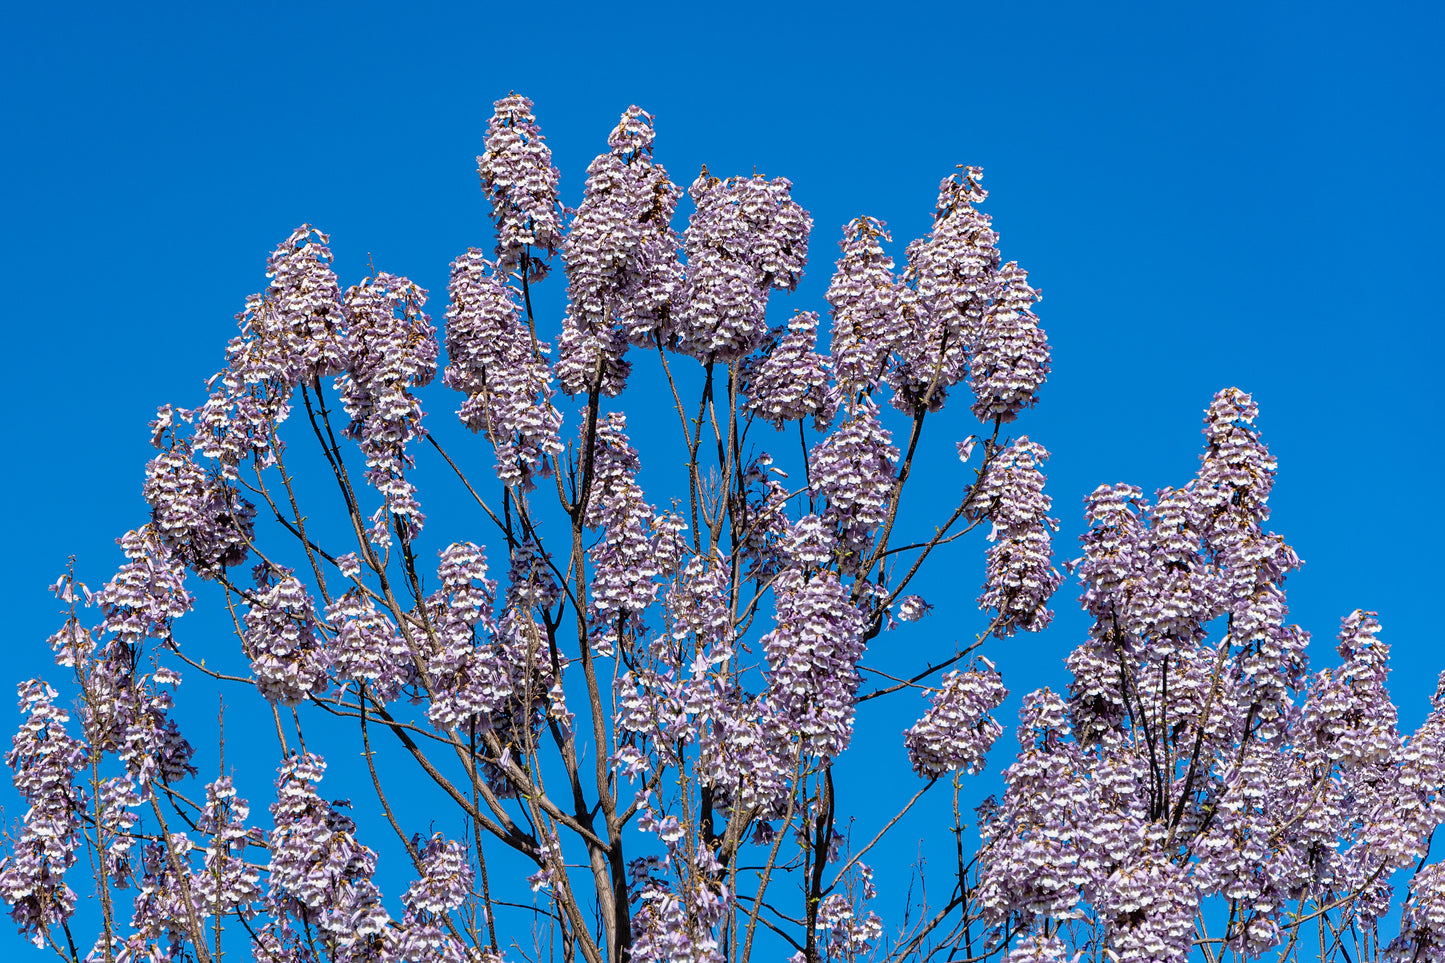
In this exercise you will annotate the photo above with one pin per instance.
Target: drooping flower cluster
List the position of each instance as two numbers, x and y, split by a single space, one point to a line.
869 306
1422 924
1348 714
521 184
1020 574
495 360
366 646
291 334
444 884
123 712
226 881
637 545
849 936
677 920
624 278
467 679
148 592
956 732
1037 862
746 237
204 521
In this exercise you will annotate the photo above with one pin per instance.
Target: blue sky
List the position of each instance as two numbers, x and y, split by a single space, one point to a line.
1207 195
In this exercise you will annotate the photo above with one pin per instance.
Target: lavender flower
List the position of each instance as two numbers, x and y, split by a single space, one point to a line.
392 349
953 273
812 659
624 278
1010 355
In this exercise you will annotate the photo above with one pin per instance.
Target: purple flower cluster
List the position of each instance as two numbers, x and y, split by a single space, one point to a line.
956 732
283 639
788 380
813 653
366 647
871 309
1020 574
624 278
226 882
953 273
496 361
291 334
746 237
521 184
637 545
391 349
678 919
45 759
1010 355
319 873
1422 924
852 468
204 522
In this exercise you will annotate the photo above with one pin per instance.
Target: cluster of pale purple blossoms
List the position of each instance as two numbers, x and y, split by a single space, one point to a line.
1020 573
1180 768
521 183
495 359
1175 769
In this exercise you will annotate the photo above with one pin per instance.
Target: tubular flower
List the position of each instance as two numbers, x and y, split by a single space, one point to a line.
392 350
853 469
44 759
366 647
1422 925
521 184
226 882
497 363
812 659
637 546
291 334
319 873
203 521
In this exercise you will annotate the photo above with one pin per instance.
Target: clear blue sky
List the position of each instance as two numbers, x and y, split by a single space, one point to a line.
1208 195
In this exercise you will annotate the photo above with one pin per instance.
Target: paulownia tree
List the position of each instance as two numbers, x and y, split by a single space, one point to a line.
646 704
